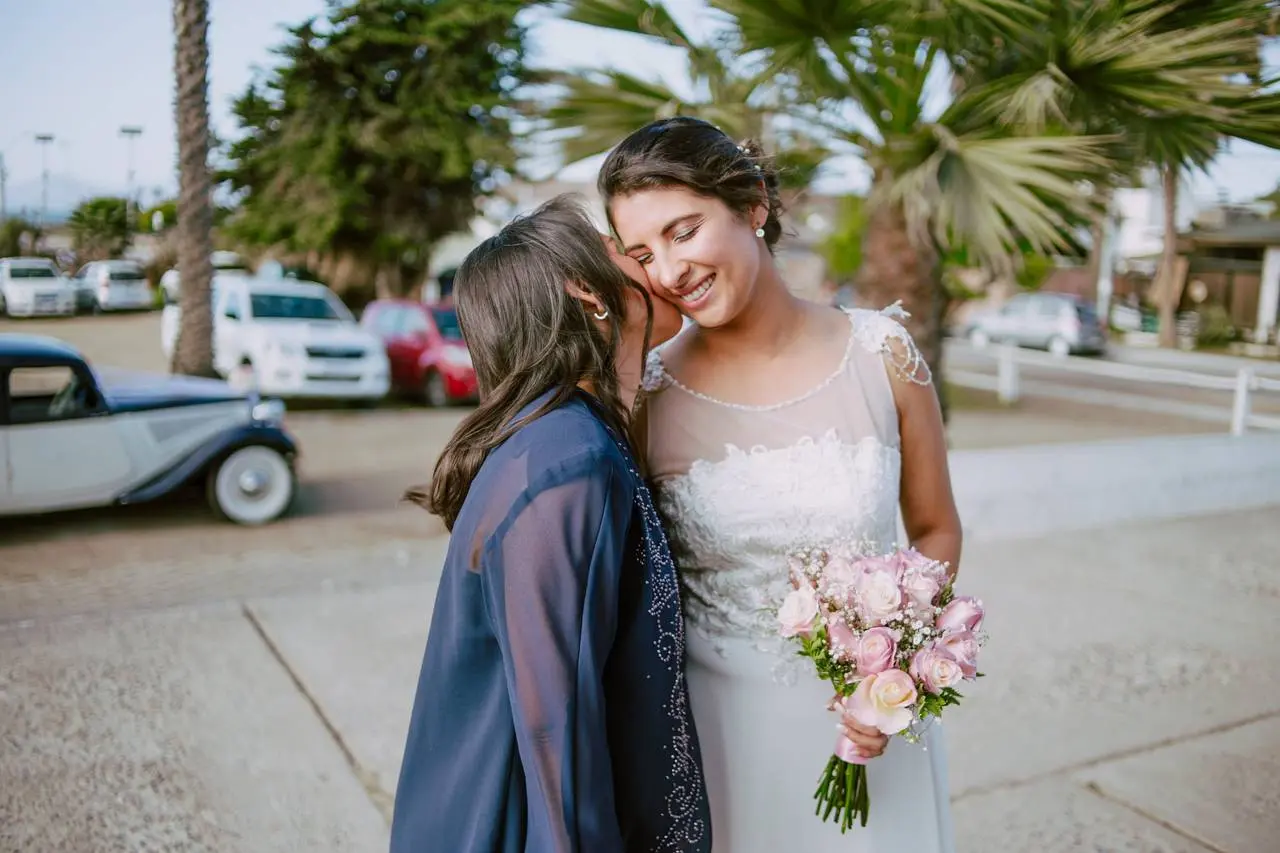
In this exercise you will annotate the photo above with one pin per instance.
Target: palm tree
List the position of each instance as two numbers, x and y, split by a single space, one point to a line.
943 174
193 352
1170 78
1248 108
595 108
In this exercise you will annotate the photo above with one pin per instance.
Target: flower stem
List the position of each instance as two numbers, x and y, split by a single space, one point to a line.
864 796
842 793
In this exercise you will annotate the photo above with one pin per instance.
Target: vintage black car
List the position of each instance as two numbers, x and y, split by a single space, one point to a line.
73 436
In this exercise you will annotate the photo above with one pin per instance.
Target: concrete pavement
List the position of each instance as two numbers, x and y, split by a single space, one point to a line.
1133 703
175 731
257 701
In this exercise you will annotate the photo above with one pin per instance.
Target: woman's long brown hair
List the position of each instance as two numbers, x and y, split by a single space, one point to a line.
527 335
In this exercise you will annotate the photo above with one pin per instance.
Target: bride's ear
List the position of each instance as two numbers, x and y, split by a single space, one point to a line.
589 300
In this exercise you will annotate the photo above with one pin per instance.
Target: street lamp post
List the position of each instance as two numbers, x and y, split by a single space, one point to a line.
130 134
44 139
4 212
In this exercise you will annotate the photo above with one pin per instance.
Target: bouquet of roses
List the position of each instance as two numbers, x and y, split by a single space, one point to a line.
892 638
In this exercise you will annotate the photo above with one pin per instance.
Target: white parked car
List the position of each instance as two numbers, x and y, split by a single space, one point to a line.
33 287
223 262
288 339
112 286
72 437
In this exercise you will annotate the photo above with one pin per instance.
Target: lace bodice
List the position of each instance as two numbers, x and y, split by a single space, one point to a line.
742 486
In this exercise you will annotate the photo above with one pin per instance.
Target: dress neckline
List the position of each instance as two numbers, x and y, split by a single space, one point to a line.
769 407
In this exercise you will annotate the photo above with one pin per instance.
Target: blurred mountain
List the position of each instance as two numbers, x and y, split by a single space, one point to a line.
65 193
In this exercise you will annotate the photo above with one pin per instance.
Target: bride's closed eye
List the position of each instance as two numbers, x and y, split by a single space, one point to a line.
680 236
684 235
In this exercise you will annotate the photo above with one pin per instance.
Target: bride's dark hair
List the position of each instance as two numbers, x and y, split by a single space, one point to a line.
694 154
527 335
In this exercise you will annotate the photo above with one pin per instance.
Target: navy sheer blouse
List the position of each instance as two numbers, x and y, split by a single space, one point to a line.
551 714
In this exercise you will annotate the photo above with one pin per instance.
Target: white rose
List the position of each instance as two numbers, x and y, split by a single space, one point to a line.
799 612
879 596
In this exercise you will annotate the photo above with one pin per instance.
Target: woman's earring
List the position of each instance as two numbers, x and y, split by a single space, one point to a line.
759 232
603 315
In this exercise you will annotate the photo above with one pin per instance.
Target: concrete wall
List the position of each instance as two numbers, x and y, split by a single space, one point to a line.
1015 493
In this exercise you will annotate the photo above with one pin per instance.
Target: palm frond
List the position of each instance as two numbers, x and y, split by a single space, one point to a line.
597 108
638 17
1005 19
1254 16
1255 115
993 194
1119 67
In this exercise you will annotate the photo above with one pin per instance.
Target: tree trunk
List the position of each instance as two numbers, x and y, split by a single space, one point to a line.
1168 293
193 351
894 267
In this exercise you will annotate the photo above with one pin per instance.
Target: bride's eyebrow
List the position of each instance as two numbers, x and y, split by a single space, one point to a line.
667 229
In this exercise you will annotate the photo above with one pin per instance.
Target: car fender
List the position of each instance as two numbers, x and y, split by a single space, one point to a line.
429 360
208 454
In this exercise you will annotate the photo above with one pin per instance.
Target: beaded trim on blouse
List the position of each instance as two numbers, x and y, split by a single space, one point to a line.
880 333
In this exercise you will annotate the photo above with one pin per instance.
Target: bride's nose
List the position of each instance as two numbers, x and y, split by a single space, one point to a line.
669 273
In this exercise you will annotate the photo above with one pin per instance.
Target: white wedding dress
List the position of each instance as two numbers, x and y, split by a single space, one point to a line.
739 487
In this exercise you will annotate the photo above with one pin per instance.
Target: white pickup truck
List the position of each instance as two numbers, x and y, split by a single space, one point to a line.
288 339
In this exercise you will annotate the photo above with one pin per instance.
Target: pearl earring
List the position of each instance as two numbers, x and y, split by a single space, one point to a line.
759 232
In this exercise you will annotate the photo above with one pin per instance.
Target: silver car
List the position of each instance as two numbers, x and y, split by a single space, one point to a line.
112 286
1058 322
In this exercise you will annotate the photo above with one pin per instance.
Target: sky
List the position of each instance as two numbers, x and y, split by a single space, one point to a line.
82 69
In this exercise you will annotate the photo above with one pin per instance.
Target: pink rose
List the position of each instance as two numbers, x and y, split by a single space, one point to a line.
921 590
935 669
840 572
875 651
962 646
883 701
799 612
915 562
843 642
962 614
878 596
882 563
910 559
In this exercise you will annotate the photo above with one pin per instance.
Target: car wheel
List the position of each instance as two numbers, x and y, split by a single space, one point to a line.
979 339
253 485
434 392
1060 347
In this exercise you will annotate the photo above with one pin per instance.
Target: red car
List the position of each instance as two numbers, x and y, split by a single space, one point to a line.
428 356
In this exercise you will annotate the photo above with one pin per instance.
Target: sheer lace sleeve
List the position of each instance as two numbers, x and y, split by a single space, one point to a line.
881 331
551 581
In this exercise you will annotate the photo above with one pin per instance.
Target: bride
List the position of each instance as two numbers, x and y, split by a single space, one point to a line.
772 424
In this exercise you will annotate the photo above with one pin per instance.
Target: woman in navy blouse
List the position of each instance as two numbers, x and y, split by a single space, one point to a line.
551 714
